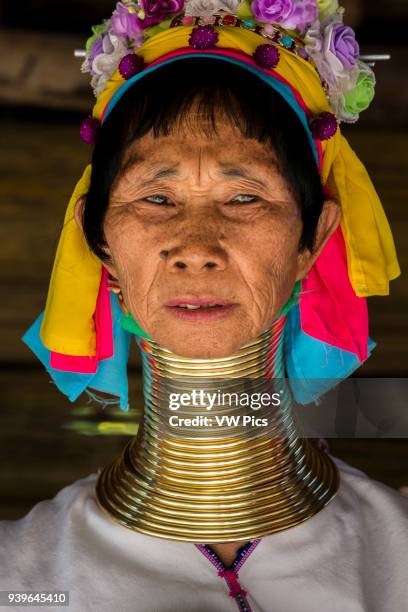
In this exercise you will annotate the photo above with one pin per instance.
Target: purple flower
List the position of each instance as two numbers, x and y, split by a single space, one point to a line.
158 10
124 23
340 42
96 49
307 12
288 13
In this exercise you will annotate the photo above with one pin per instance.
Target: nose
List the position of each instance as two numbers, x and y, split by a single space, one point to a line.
194 256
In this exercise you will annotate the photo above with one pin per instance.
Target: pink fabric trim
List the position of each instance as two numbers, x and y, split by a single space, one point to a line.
330 310
103 319
104 337
72 363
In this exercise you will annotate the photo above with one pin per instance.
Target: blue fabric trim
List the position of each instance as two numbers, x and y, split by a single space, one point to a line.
283 89
111 376
312 366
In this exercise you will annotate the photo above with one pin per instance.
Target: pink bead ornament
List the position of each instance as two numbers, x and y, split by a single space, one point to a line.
203 37
266 56
89 129
324 126
130 65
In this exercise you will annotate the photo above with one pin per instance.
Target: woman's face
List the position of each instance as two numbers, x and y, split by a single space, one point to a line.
203 233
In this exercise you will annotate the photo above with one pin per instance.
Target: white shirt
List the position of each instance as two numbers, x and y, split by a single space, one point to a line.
350 557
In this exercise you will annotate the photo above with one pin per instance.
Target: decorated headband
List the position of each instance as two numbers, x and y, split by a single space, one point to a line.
301 49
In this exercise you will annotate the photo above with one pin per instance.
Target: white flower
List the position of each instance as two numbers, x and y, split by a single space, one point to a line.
229 6
313 39
105 64
202 8
114 48
314 42
205 8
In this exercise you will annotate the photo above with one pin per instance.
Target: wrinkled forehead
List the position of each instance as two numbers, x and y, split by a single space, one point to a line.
196 147
195 133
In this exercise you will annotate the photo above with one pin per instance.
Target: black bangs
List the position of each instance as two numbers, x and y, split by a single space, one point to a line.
162 100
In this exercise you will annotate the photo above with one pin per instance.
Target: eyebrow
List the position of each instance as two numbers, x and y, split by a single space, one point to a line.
226 169
135 159
232 171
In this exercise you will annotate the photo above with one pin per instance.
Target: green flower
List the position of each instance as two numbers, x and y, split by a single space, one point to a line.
96 29
360 97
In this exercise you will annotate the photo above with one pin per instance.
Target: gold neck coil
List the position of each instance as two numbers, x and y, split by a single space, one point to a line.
216 482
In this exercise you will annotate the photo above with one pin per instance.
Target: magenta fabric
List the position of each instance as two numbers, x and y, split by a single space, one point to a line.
330 310
104 337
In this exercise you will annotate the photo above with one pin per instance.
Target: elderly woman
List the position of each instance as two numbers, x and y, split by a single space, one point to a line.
226 223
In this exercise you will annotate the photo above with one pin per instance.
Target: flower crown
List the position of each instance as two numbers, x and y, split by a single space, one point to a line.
312 29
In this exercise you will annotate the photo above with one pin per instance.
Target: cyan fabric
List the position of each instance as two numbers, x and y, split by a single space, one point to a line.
312 366
111 376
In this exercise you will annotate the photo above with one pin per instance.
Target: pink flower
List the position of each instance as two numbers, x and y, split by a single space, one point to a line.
157 10
290 14
273 11
124 23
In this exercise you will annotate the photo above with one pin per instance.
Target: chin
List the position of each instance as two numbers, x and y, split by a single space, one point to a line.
197 345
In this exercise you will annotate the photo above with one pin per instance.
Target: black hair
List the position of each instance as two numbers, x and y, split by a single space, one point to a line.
162 98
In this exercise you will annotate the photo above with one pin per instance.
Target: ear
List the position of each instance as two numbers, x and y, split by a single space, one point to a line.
329 220
78 211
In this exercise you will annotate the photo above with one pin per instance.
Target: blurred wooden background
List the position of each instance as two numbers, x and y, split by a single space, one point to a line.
45 441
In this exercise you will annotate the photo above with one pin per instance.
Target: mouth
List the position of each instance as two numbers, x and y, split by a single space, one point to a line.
200 309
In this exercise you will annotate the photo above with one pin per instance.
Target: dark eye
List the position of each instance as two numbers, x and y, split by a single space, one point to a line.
158 199
244 198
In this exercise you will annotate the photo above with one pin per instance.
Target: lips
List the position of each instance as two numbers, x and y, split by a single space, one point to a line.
205 302
208 308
